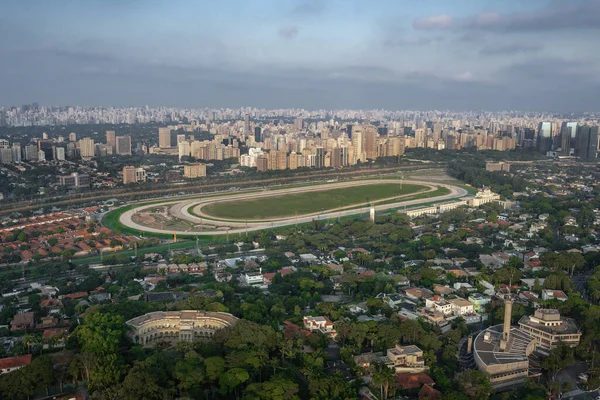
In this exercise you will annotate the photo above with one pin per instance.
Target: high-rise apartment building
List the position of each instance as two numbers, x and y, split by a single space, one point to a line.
370 138
60 154
75 180
6 155
133 175
128 174
357 142
86 148
262 163
111 140
247 123
72 137
298 124
336 157
194 171
16 150
319 157
164 138
123 145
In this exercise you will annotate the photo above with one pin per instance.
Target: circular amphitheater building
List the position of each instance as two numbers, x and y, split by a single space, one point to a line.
178 326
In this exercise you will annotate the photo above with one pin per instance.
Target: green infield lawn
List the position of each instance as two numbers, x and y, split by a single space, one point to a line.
306 203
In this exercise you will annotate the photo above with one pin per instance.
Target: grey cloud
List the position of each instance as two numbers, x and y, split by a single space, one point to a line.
309 7
400 41
442 21
540 84
288 32
512 48
558 15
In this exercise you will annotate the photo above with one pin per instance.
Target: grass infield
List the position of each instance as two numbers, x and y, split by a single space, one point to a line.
306 203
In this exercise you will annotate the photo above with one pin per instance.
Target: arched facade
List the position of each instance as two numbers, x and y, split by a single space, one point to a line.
178 326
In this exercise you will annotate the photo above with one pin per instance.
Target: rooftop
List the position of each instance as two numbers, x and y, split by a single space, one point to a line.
15 362
487 346
566 327
184 315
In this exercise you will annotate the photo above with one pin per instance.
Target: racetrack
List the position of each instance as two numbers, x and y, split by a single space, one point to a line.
181 210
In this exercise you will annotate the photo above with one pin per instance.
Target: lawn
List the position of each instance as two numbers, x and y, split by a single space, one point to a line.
306 203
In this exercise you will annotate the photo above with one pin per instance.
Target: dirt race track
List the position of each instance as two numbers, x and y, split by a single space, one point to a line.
216 226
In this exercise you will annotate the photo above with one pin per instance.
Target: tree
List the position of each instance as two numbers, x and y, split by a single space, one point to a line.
231 379
42 372
475 384
141 383
277 388
99 337
382 377
561 356
214 368
189 371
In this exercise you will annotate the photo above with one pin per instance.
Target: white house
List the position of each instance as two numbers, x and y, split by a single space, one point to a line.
253 278
461 306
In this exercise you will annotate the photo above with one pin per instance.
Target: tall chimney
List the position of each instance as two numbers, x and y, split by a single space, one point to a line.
507 316
470 344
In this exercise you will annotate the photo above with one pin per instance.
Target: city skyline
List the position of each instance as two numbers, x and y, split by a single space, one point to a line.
467 55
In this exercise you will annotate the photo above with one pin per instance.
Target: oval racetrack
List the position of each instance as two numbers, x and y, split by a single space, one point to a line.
182 208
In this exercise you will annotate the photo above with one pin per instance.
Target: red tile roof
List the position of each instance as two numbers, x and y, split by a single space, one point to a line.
413 381
15 362
429 393
51 332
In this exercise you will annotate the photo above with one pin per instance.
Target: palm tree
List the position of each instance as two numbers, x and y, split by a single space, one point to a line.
383 377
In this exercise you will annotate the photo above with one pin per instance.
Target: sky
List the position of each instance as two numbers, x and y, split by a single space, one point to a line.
531 55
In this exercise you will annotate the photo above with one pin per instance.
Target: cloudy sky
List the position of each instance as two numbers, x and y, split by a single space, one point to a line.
394 54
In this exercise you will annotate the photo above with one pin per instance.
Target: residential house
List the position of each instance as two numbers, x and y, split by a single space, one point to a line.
549 294
429 393
23 322
479 301
461 306
408 381
320 324
442 290
365 360
10 364
55 337
417 294
406 358
440 305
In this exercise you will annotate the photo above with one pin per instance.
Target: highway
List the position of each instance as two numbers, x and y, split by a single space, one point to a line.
222 227
148 191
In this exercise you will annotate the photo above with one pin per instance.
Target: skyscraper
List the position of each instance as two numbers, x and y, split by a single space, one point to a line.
128 174
258 134
164 138
123 145
370 138
247 123
336 157
298 124
319 158
544 139
111 140
587 142
86 148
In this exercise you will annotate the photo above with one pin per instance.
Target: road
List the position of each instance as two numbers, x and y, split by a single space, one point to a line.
180 210
148 192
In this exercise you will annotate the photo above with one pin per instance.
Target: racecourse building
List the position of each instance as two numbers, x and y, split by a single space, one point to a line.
178 326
